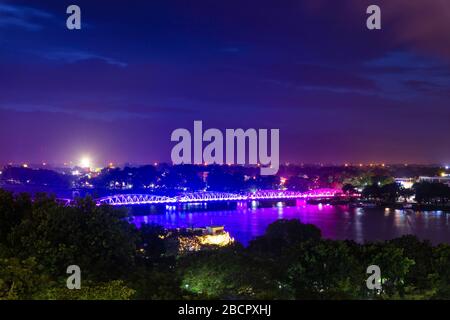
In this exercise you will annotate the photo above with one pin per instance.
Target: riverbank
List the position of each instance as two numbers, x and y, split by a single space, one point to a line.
408 206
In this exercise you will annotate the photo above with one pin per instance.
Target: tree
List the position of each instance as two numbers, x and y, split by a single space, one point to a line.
394 266
324 270
218 180
21 279
12 211
298 184
421 252
157 282
348 188
112 290
97 238
36 177
441 276
151 242
431 192
390 192
372 192
284 233
215 274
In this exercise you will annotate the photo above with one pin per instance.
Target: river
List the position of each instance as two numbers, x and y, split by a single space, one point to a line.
336 222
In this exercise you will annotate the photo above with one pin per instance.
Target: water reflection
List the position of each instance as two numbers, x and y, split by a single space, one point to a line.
336 222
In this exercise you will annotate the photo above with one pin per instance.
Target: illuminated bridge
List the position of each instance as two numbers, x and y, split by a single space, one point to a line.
203 197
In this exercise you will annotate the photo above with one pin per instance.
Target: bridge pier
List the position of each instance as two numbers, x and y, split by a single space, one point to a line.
300 202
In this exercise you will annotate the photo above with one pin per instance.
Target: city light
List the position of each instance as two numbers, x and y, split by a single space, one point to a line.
85 162
221 240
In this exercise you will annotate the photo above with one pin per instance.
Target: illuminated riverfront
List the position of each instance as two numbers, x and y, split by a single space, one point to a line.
336 222
224 150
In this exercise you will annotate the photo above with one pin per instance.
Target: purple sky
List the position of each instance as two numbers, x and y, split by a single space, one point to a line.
116 89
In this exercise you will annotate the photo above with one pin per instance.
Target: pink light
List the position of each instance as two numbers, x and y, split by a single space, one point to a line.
195 197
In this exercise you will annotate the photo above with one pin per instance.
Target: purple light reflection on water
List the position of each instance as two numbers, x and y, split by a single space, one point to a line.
336 222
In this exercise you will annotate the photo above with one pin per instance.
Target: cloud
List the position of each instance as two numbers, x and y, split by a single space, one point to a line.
421 25
23 17
409 75
429 88
110 115
74 56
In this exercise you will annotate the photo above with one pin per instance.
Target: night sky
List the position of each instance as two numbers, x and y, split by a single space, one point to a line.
137 70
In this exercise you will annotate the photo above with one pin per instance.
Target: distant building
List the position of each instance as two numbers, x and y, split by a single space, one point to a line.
406 183
445 179
184 240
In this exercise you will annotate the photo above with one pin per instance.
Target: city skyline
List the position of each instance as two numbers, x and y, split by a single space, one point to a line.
115 90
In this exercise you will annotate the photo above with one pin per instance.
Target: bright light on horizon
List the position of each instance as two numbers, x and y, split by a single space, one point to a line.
85 162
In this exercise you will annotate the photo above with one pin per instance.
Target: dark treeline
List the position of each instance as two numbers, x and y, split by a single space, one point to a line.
37 177
39 239
163 177
423 192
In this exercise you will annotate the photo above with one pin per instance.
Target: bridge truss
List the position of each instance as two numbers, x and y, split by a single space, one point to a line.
199 197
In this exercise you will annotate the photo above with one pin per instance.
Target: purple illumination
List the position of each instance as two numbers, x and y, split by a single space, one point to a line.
138 199
335 222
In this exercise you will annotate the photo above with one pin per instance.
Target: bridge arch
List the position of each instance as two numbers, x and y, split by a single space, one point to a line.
134 199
